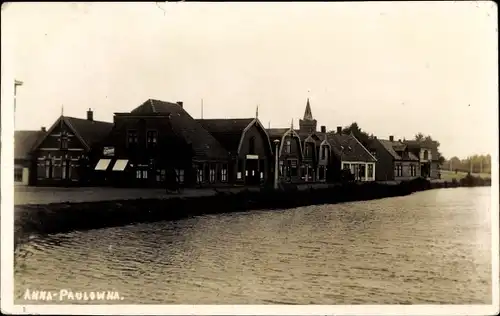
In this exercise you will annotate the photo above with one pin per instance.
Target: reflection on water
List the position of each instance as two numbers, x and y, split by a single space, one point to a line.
428 248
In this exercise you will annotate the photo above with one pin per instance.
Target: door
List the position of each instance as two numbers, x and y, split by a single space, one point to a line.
252 174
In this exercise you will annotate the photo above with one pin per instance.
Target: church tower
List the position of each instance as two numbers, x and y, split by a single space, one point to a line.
308 124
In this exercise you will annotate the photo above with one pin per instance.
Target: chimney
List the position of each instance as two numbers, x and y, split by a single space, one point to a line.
339 129
90 115
374 137
323 129
180 103
399 140
391 138
44 129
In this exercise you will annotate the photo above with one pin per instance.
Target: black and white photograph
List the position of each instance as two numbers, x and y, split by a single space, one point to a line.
250 158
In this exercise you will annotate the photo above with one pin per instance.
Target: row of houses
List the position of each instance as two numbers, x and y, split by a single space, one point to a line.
158 140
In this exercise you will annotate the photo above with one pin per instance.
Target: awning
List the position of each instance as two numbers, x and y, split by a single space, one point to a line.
120 165
102 164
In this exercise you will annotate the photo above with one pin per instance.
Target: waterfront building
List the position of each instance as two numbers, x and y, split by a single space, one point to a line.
427 154
66 153
303 153
395 160
158 142
349 154
249 148
24 162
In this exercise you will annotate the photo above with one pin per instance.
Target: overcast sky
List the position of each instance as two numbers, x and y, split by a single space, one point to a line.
395 68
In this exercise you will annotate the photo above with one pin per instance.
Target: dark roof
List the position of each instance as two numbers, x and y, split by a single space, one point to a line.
277 133
348 148
304 135
24 142
227 131
393 147
91 132
204 145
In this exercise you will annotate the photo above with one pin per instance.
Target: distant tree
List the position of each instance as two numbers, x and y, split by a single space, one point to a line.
419 137
362 136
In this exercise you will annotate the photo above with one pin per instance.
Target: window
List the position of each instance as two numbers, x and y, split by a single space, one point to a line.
413 170
180 175
223 173
288 148
141 174
48 168
64 168
347 166
152 138
206 171
251 145
64 140
370 171
281 167
398 170
131 137
307 153
374 153
18 174
324 152
212 173
426 155
199 173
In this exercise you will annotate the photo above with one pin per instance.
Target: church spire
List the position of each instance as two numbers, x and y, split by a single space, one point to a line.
308 113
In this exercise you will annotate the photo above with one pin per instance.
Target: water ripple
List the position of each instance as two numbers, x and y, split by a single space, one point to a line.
428 248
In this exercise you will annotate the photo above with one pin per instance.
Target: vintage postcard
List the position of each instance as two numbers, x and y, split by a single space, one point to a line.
240 158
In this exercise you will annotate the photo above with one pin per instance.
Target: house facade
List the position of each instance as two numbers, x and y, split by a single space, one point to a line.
24 161
158 142
427 154
395 162
66 152
349 154
249 148
288 148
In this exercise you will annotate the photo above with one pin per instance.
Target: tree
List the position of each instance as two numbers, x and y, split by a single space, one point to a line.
362 136
419 137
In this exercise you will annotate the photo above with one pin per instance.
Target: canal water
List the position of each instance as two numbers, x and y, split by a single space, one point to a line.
432 247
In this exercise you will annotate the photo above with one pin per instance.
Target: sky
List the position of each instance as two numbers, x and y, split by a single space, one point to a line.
394 68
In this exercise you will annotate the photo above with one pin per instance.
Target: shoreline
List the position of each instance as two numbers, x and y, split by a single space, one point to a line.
37 219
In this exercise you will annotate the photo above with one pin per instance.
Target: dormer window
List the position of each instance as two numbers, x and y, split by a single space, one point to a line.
288 148
324 152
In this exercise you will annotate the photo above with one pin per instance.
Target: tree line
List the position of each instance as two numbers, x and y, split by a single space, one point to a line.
473 164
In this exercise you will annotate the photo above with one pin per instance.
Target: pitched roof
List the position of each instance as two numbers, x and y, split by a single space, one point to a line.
87 131
24 142
277 133
91 132
227 131
204 145
393 147
348 148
